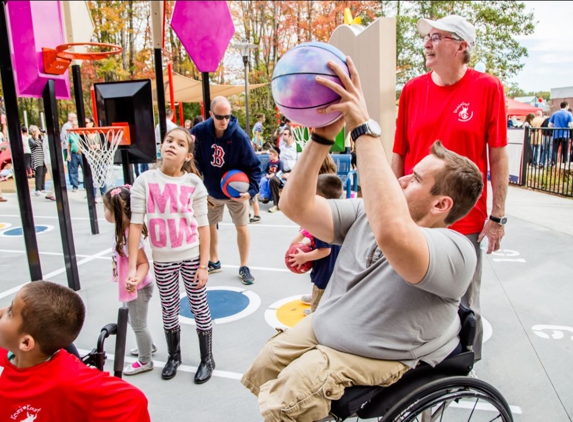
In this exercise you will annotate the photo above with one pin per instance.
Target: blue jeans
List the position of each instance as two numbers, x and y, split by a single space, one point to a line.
140 168
535 154
546 150
73 165
102 190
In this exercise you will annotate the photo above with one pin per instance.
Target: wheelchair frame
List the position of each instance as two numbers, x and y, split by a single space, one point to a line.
98 356
421 389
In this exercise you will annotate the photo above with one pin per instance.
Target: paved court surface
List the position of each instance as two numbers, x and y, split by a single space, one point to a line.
526 298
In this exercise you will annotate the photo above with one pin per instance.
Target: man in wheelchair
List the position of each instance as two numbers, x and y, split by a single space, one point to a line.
392 301
39 381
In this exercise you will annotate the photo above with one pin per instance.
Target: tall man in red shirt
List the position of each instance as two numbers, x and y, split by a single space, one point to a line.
465 109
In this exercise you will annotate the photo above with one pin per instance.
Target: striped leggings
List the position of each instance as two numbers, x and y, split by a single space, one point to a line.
167 279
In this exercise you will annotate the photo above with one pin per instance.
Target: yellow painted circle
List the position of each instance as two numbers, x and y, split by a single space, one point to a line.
4 225
291 313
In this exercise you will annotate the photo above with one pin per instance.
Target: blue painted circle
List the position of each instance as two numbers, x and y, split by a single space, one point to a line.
222 303
18 231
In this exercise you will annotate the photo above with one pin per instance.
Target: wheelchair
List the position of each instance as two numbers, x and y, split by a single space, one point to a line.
427 394
97 356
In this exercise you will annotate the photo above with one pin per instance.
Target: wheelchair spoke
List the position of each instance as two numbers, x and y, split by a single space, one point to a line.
473 410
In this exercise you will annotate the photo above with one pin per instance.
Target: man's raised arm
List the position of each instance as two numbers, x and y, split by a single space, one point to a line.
299 201
398 236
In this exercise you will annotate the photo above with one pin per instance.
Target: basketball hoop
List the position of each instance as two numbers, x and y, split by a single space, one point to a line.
57 61
99 145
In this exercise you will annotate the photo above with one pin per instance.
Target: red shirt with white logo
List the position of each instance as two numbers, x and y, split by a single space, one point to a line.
63 389
466 116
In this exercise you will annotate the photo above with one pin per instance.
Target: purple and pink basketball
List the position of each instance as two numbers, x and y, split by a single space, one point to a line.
234 182
295 90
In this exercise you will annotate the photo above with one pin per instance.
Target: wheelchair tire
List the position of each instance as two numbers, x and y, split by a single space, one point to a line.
434 402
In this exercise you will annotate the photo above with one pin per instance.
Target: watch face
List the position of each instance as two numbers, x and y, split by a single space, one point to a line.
503 220
374 128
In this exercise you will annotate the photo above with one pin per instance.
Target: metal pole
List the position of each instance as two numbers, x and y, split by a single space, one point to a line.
86 169
127 168
17 150
25 118
171 91
248 123
57 159
160 87
206 93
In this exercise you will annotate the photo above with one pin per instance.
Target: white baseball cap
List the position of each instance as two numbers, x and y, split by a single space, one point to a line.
453 23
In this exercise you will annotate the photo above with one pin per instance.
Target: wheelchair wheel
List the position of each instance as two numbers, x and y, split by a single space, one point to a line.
451 399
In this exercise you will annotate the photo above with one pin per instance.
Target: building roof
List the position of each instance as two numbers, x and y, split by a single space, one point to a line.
527 100
565 92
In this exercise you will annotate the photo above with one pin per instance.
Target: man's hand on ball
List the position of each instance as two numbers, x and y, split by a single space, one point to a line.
245 196
352 104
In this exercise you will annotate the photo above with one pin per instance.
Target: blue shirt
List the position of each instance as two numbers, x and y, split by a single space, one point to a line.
561 119
322 268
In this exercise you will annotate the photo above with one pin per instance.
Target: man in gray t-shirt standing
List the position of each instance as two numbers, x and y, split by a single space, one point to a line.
393 297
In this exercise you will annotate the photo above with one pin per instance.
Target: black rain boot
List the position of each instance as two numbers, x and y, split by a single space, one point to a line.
207 365
173 347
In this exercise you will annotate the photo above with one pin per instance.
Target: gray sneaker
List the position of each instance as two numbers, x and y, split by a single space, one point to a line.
245 276
306 299
135 351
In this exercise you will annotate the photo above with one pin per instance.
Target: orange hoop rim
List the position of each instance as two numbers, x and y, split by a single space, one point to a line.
126 137
61 51
97 128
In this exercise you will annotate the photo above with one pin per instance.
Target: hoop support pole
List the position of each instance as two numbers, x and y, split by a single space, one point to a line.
171 90
86 169
64 217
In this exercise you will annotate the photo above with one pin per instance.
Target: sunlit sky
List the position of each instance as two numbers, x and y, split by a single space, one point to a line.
550 61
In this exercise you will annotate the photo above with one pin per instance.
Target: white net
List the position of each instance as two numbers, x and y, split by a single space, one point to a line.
99 146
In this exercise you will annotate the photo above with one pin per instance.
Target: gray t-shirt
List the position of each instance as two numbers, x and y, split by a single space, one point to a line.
369 310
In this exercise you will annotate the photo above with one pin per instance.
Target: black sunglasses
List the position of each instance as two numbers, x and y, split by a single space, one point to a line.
219 117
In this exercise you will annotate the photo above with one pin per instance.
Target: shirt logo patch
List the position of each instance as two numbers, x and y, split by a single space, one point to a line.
464 114
26 413
218 156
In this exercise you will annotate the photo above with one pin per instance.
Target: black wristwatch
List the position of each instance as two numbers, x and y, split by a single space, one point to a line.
371 128
499 220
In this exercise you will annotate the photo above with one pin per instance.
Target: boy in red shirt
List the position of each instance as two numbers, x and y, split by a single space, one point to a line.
41 382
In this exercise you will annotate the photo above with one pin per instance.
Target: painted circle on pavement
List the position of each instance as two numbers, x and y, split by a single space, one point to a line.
226 303
4 226
19 231
286 313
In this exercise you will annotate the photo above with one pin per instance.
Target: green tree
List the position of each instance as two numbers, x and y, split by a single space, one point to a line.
497 24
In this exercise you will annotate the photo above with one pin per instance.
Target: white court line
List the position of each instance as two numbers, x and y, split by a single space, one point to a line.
184 368
49 217
52 254
99 256
290 226
54 273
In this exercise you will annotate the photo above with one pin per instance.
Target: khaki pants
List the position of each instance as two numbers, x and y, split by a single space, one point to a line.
316 296
295 378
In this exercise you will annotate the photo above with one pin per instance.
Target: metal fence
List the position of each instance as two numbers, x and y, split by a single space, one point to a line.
546 160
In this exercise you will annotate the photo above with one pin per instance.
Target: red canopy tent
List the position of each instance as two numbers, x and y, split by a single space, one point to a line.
515 108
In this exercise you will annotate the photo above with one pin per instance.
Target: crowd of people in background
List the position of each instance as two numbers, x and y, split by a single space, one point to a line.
550 137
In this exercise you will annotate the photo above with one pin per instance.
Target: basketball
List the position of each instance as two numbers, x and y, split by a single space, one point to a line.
293 249
234 183
296 93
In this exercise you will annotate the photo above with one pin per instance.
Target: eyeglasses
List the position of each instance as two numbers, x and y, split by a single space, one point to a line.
219 117
436 38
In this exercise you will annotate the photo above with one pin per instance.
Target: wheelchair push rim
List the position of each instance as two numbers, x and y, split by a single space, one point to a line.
435 402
